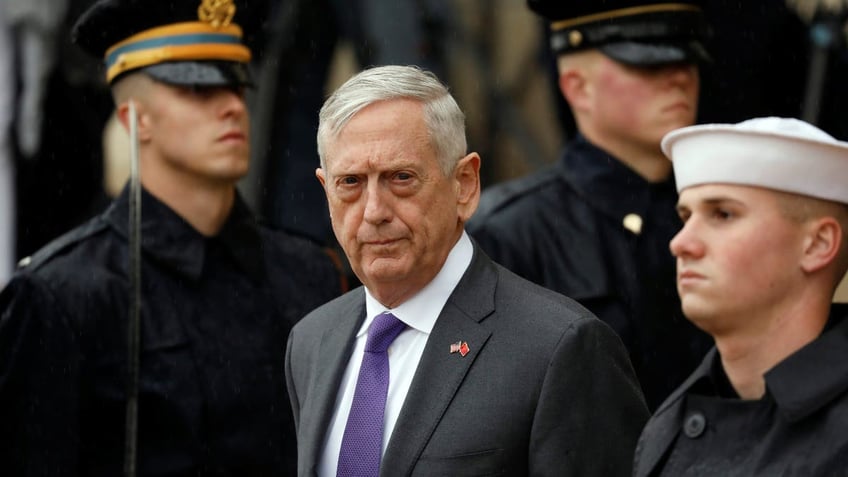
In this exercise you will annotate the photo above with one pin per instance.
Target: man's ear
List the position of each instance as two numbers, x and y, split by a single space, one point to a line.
467 176
319 173
123 113
822 244
576 88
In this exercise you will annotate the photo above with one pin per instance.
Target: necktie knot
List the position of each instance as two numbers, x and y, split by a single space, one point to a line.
383 331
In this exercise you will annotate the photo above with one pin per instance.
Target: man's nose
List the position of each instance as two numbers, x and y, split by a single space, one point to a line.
377 203
233 102
682 73
686 243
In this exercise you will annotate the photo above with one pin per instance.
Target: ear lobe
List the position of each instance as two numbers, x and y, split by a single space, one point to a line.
822 245
467 176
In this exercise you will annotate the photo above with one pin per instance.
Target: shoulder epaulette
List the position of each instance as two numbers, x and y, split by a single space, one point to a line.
62 242
500 195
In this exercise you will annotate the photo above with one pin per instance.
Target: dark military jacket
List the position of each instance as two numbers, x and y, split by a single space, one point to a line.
797 428
216 313
592 229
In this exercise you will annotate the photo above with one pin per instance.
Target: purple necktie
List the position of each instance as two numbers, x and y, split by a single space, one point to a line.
362 443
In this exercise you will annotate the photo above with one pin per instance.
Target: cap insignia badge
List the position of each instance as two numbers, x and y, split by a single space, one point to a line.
218 13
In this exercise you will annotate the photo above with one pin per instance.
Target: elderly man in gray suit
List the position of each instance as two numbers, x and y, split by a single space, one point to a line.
444 363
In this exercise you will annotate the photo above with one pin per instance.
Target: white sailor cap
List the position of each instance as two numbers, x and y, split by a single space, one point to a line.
783 154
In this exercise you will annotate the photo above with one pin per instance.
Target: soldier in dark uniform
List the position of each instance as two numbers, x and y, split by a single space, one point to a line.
595 226
763 246
219 294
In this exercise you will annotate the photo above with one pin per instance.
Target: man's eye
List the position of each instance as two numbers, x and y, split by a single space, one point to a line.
350 180
207 91
238 90
403 176
722 214
202 91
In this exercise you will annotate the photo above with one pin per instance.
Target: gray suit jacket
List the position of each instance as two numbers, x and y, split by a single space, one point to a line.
547 388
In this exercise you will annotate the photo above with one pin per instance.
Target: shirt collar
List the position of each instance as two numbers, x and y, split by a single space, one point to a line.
608 184
170 240
421 311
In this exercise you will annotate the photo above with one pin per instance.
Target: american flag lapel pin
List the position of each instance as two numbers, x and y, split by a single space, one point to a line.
460 347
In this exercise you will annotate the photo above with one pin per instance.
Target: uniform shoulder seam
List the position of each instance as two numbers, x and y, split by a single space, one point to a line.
63 242
501 195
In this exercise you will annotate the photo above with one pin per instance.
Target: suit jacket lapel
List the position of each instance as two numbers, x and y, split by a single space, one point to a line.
440 373
333 355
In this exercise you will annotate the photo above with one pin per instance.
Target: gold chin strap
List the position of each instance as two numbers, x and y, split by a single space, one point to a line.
623 12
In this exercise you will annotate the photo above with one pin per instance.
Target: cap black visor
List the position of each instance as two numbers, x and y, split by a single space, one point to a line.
201 73
655 54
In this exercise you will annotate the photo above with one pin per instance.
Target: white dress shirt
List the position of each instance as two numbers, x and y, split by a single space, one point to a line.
419 313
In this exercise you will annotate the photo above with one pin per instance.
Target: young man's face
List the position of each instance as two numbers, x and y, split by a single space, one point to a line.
738 256
202 133
639 106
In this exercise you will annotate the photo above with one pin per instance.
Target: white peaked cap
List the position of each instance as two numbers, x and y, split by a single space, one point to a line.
784 154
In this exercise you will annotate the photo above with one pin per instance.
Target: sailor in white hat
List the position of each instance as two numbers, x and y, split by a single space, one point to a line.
763 247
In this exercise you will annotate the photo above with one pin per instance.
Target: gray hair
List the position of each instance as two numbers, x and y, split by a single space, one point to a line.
444 120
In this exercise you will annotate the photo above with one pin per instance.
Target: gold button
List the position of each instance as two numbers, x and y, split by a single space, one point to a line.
633 223
575 38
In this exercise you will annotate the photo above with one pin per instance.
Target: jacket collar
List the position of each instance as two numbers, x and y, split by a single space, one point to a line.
608 184
170 240
813 376
801 384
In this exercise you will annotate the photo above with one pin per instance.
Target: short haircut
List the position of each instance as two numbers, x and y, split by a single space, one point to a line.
801 208
444 120
583 59
130 85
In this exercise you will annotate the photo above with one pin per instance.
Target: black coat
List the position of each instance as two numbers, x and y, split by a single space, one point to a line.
216 313
797 428
564 228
